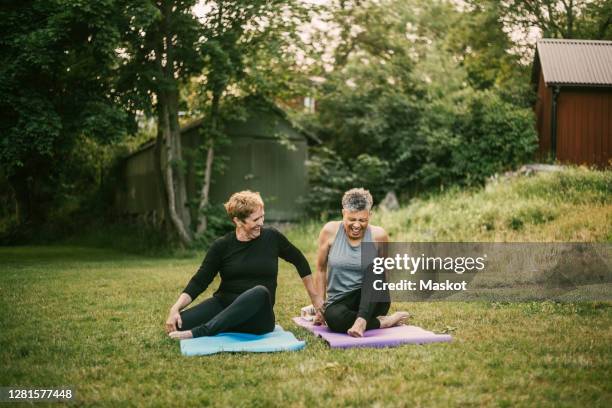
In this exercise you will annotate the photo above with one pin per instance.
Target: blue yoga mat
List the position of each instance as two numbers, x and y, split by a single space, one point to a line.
278 340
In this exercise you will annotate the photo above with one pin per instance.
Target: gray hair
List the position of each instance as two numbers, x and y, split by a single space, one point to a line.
357 199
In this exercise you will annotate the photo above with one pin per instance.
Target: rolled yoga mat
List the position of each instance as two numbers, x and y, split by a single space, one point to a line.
278 340
390 337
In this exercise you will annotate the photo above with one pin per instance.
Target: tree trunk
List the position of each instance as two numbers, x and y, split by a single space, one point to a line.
601 32
22 197
570 19
179 177
168 128
158 161
32 202
204 192
169 180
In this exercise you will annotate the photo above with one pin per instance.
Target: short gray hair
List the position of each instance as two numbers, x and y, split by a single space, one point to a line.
357 199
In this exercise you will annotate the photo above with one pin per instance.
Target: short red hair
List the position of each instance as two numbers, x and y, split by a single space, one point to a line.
242 204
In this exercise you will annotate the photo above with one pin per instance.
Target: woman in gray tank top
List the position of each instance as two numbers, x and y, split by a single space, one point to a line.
349 305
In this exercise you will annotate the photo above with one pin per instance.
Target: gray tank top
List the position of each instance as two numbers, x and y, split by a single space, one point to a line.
344 271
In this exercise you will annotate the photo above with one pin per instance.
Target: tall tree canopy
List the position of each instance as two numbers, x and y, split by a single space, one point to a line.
56 86
161 51
410 93
585 19
402 103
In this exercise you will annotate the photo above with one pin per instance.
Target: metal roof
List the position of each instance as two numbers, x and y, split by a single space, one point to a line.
311 137
575 62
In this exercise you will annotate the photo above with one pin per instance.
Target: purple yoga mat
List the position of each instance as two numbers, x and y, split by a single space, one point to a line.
391 337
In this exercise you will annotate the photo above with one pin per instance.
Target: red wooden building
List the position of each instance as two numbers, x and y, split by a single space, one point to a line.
574 104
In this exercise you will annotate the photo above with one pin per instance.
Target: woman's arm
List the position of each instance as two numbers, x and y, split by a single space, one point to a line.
325 237
206 272
174 322
315 296
290 253
197 284
381 238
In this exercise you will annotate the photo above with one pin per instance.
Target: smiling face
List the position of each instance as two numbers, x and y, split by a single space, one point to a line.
250 227
355 223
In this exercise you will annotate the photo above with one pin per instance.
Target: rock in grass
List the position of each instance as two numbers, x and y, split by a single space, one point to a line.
390 202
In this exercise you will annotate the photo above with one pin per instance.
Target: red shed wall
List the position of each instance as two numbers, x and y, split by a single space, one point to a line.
584 126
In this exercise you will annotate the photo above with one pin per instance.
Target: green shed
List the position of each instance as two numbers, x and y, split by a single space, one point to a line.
267 153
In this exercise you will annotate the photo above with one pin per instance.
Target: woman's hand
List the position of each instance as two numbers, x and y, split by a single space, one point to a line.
180 335
319 318
174 322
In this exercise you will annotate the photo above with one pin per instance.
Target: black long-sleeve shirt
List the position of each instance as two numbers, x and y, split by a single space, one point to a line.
245 264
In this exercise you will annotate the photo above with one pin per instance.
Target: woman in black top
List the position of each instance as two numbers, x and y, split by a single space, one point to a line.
247 261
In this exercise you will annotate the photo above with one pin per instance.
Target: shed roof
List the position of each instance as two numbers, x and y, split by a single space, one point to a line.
575 62
310 137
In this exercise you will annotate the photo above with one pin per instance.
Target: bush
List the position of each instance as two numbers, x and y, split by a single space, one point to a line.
494 136
466 137
218 224
330 176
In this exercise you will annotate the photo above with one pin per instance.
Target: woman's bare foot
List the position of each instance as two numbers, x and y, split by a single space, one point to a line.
358 327
395 319
180 335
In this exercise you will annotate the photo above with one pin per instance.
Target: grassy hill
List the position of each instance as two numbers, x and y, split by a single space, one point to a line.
572 205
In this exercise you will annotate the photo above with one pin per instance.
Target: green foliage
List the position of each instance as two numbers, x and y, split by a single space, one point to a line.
57 90
572 205
559 18
579 186
144 70
437 106
412 95
481 43
494 136
218 224
331 176
457 138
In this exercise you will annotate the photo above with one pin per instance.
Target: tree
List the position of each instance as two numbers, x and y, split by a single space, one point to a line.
587 19
166 45
371 100
56 87
597 21
161 51
411 90
247 47
480 42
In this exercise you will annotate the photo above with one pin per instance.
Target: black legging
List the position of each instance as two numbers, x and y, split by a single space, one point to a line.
341 315
251 312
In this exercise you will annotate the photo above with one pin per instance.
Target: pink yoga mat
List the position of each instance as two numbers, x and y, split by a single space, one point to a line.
391 337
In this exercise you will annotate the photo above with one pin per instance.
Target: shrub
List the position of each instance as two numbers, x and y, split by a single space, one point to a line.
330 176
494 136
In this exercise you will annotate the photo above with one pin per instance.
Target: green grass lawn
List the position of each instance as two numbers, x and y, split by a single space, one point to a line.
93 319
